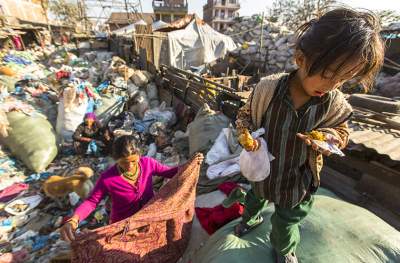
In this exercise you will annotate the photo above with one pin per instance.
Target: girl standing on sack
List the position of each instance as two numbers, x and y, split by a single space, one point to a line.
341 45
128 183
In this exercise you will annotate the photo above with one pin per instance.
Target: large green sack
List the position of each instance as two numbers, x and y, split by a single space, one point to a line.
334 232
9 82
31 139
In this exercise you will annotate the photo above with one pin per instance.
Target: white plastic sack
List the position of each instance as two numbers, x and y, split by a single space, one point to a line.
139 78
226 168
154 104
220 149
69 120
255 166
161 114
152 92
140 104
103 56
132 89
84 45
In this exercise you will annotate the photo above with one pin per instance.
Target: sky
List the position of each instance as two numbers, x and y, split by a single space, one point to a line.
250 7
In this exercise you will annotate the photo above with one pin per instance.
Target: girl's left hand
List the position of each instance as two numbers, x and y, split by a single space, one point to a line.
313 145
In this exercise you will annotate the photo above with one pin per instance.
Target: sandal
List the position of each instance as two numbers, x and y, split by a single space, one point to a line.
289 258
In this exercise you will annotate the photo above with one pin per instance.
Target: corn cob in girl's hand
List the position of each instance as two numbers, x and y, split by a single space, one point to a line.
247 141
316 135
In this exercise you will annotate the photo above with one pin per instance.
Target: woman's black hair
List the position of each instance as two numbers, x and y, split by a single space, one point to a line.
340 37
124 146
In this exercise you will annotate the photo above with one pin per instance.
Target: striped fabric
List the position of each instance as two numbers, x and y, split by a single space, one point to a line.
291 176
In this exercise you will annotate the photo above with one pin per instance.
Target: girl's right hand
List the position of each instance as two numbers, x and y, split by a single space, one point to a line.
247 142
68 229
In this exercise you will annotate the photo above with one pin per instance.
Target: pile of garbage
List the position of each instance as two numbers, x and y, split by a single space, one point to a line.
44 95
276 40
387 85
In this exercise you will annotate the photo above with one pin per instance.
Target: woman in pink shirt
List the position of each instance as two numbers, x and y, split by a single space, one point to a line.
128 183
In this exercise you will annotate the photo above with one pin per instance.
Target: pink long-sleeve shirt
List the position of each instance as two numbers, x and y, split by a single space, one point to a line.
126 198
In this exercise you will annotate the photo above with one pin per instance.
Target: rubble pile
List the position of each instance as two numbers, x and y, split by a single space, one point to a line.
277 43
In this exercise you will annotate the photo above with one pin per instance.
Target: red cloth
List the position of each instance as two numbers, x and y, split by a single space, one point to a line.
62 74
212 219
17 42
12 191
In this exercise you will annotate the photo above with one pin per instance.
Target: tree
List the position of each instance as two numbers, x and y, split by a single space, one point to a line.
388 16
68 12
293 13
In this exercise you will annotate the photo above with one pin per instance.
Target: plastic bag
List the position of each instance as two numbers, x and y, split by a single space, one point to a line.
139 78
227 168
255 166
140 104
69 119
161 114
132 89
220 149
111 105
152 92
328 146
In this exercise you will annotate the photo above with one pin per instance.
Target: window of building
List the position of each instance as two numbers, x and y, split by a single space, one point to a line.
222 13
223 2
232 1
158 3
177 17
230 14
167 18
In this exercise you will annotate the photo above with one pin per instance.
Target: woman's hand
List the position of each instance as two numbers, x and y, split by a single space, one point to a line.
314 146
199 158
69 228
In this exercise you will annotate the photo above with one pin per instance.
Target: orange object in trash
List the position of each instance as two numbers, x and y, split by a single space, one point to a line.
7 71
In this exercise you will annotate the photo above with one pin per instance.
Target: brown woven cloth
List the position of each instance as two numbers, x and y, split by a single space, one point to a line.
159 232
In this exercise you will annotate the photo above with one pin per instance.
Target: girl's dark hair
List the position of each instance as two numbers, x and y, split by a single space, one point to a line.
124 146
343 36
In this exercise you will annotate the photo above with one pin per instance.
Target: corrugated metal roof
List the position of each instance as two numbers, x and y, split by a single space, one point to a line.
383 141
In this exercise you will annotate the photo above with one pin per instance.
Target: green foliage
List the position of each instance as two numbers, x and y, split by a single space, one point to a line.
66 11
293 13
388 16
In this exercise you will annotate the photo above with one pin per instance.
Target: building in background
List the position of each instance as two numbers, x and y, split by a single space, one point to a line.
170 10
119 20
220 13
